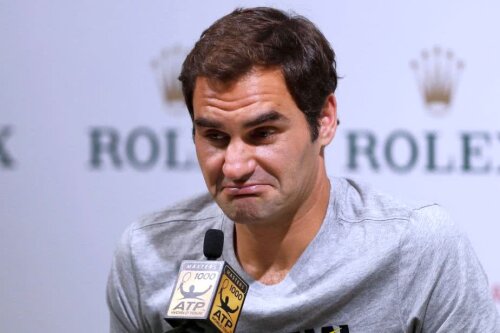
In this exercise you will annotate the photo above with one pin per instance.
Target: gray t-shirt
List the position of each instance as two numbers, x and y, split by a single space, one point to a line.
376 265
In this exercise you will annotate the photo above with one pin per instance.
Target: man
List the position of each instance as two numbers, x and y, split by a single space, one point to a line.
320 254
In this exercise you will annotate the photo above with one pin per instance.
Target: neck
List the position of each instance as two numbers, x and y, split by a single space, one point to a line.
267 251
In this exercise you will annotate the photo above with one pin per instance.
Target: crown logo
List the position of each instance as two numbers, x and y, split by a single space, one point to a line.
437 72
167 67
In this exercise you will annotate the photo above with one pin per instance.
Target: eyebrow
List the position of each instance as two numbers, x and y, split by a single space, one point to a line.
260 119
264 118
204 122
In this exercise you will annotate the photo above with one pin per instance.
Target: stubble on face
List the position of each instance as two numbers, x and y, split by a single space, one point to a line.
254 147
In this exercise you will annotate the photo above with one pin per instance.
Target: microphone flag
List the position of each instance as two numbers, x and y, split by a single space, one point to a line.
208 293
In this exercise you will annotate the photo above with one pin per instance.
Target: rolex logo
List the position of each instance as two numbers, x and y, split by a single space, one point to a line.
167 67
437 74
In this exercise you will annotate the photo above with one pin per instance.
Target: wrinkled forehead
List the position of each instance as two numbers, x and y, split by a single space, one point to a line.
258 86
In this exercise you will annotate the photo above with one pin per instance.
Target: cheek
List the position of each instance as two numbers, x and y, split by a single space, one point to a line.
210 161
290 160
279 160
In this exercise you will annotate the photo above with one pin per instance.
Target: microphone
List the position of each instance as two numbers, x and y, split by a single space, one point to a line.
208 294
213 244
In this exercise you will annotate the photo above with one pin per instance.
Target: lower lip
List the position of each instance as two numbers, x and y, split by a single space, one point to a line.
246 190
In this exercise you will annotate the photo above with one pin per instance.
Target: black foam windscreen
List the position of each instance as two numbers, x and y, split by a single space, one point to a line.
213 244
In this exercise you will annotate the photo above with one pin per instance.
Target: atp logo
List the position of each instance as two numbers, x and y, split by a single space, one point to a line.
191 293
224 303
227 295
191 296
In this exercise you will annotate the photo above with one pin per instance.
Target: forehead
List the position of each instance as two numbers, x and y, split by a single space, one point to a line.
258 90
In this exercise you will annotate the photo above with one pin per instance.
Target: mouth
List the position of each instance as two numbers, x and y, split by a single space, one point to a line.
244 190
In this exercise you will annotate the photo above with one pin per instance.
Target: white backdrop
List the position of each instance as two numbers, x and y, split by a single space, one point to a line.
88 144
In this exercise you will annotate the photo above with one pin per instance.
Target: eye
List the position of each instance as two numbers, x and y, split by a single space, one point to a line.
263 133
216 137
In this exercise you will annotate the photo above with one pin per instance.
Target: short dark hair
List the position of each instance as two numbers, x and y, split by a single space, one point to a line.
265 37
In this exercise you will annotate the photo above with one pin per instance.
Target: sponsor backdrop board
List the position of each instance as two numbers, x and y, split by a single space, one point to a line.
93 133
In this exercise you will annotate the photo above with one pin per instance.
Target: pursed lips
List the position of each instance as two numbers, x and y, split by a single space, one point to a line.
245 189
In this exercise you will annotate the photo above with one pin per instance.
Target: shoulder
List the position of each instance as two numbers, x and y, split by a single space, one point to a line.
149 253
357 201
174 229
441 284
192 210
423 231
419 224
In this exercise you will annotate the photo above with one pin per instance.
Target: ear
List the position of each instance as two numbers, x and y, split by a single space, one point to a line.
328 120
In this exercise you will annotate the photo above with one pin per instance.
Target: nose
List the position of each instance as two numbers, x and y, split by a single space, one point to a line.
239 162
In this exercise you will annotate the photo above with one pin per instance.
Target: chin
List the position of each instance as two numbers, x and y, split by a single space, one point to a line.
243 217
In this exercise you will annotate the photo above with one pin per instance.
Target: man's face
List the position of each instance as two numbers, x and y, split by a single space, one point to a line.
254 148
